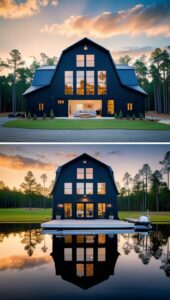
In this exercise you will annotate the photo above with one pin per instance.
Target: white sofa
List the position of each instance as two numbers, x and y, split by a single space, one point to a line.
85 113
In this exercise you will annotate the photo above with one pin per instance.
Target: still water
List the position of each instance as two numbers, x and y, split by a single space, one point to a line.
124 266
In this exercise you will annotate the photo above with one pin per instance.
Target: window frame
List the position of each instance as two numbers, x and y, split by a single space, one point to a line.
80 63
81 188
90 63
81 173
80 90
68 80
41 106
101 82
98 188
68 188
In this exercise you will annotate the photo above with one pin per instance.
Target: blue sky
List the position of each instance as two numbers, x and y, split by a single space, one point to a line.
18 159
124 27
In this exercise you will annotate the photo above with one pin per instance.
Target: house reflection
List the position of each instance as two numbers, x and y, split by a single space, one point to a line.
85 260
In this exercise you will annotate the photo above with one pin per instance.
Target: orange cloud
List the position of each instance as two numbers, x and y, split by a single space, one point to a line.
20 262
19 162
9 9
152 20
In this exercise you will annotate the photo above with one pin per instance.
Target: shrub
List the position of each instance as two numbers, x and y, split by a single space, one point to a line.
29 115
133 117
34 117
128 117
44 116
141 116
120 115
52 114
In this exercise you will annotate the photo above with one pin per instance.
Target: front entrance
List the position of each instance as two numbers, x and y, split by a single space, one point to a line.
77 107
84 210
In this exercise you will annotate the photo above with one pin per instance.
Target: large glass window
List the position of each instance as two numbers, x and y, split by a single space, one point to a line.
89 188
89 82
68 210
89 60
80 83
89 173
101 254
101 188
102 85
80 210
80 173
80 188
68 188
68 88
130 106
110 107
89 254
89 210
68 254
80 60
41 106
101 210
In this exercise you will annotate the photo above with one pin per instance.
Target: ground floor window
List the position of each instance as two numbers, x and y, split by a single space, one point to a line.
60 101
41 106
67 210
130 106
101 210
110 107
84 210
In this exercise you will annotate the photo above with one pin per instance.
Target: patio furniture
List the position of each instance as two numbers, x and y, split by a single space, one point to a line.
85 113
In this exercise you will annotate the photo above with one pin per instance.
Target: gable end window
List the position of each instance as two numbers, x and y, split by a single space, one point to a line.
80 188
80 173
130 106
67 188
89 60
80 60
80 83
41 106
89 82
68 79
101 82
101 188
89 173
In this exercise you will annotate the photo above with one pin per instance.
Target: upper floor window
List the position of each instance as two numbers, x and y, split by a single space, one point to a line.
130 106
101 188
89 188
80 173
89 60
80 83
41 106
80 188
101 80
68 188
80 61
89 82
89 173
68 87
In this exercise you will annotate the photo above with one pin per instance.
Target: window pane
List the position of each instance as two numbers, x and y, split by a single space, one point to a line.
68 254
68 239
89 210
89 239
101 254
130 106
89 254
68 83
67 188
67 210
89 60
101 188
101 210
80 239
89 270
80 188
80 270
80 173
101 239
102 86
80 210
110 107
80 254
89 188
80 83
89 173
80 60
90 82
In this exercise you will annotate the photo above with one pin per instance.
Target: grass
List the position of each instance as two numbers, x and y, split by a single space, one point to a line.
64 124
23 215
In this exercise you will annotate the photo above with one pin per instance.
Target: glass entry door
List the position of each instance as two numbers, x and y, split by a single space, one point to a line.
84 210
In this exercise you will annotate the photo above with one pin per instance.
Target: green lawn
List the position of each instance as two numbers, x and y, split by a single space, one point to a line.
63 124
40 215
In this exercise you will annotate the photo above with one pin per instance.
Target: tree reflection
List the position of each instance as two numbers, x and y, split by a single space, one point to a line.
31 238
166 260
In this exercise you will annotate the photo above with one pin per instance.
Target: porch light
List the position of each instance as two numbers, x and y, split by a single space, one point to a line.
84 199
109 205
85 48
84 162
60 205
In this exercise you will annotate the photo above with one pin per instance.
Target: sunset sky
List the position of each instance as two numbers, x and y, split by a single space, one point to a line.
16 160
124 27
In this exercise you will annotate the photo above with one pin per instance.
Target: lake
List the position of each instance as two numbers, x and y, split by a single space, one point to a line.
34 265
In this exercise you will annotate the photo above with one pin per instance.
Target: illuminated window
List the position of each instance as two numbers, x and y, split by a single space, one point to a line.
41 106
102 86
130 106
60 101
110 107
89 60
101 254
80 254
80 239
80 188
80 210
68 239
89 173
80 270
101 210
101 188
80 60
89 82
67 210
89 270
68 188
89 188
80 83
68 254
89 239
80 173
101 239
89 254
68 83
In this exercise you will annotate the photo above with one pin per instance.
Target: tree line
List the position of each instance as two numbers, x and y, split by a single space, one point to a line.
147 190
153 75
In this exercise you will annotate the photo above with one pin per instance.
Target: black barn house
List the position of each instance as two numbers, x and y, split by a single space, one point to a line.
86 79
84 189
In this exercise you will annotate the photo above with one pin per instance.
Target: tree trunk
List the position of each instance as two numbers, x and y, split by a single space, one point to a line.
14 93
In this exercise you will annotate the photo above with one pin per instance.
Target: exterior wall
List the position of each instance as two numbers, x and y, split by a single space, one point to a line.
100 174
50 95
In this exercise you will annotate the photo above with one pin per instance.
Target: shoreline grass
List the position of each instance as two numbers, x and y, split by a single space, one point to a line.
98 124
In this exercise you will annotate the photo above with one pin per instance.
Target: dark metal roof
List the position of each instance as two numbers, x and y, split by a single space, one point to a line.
42 76
127 76
32 89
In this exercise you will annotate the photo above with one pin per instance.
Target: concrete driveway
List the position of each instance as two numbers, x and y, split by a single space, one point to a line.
36 135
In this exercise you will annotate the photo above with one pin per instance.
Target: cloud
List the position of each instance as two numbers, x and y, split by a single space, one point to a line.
21 262
151 20
72 155
19 162
97 154
11 9
115 152
134 52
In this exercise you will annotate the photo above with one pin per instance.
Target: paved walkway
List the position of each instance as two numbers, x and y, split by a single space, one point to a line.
34 135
